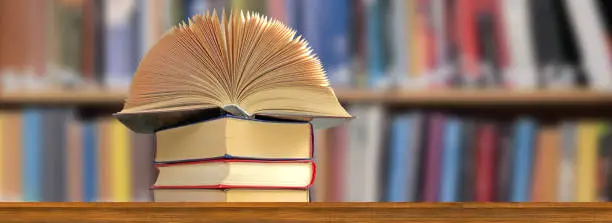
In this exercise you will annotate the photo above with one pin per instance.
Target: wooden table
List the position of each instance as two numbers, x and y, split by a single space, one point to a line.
305 212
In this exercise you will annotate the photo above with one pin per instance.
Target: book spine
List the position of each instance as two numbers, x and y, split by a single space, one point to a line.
586 158
417 131
449 176
74 161
32 148
12 163
432 172
120 156
524 132
398 175
485 159
567 165
90 162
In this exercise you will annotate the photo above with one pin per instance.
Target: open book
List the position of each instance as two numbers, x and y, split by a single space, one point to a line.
243 64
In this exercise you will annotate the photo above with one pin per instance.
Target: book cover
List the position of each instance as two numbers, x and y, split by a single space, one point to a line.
398 158
91 164
229 185
32 139
524 133
485 162
450 161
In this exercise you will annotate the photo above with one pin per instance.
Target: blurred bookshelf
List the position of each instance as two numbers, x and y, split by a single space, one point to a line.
520 89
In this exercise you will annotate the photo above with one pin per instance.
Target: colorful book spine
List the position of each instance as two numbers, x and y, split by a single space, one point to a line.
74 161
120 159
103 151
485 163
90 162
567 165
586 161
31 160
434 150
375 46
523 160
451 164
11 164
397 156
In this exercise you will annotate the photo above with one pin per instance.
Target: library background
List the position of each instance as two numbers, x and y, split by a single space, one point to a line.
456 100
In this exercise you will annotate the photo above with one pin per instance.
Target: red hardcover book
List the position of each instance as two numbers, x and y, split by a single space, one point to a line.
468 38
236 173
485 162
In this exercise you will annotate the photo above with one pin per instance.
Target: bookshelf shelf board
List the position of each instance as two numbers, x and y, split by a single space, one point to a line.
74 97
305 212
475 97
435 97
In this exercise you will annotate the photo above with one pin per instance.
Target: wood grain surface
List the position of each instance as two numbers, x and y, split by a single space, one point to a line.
305 212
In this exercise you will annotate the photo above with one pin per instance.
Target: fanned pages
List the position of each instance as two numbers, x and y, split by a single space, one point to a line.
244 64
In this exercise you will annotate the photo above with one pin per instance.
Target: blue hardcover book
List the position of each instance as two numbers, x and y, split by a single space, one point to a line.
31 156
294 11
121 49
334 52
374 42
194 7
310 24
90 162
399 150
451 162
524 132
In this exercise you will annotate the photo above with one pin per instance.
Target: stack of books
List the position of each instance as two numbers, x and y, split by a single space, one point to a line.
233 102
232 159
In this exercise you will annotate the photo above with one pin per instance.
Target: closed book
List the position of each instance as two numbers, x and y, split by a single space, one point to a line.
12 130
398 155
468 160
31 163
231 195
90 163
586 161
431 183
450 161
52 154
545 179
233 137
567 164
524 132
485 163
503 163
74 165
121 178
227 173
